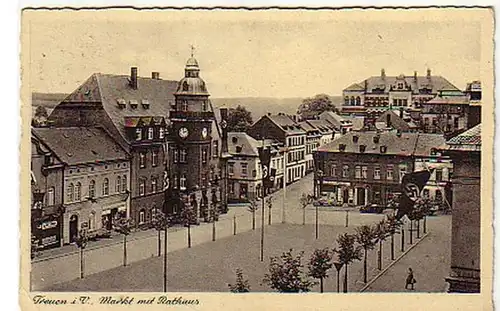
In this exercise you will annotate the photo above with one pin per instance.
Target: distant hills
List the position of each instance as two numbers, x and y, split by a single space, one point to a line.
258 106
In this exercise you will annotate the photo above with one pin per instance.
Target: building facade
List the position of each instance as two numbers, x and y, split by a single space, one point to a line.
95 178
313 140
445 113
465 151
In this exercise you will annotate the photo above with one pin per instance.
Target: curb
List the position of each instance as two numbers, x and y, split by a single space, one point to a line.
392 263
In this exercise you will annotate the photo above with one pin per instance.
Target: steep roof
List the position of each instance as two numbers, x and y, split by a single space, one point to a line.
469 140
396 121
407 144
435 83
111 90
240 143
322 125
286 123
78 145
448 100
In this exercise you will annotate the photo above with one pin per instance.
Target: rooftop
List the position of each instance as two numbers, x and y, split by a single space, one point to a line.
469 140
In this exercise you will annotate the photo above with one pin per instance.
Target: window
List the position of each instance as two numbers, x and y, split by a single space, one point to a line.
150 133
376 173
124 183
439 175
70 193
118 184
400 85
215 152
345 171
141 216
346 101
153 185
92 221
142 187
183 182
183 156
389 173
358 101
184 105
154 158
138 134
402 171
230 168
364 172
357 172
105 187
142 160
353 101
50 196
176 180
231 187
394 102
204 106
425 194
176 155
333 170
204 155
92 189
162 133
78 191
244 169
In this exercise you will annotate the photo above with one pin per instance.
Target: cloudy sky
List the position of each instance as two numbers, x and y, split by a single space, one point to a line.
248 53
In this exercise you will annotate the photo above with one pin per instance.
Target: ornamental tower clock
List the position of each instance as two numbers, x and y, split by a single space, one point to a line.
191 121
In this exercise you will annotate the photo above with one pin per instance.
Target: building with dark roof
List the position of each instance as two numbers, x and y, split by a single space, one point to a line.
373 96
465 151
94 179
391 120
286 131
367 167
445 114
313 140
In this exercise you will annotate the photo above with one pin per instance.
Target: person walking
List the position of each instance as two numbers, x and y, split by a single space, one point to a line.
410 279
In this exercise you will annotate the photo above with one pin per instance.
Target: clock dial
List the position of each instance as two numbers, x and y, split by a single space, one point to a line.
183 132
204 132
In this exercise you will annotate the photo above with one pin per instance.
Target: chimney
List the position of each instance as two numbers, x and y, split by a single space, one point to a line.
355 138
362 148
133 78
382 73
388 122
401 112
234 139
415 75
428 73
269 114
376 139
155 75
342 147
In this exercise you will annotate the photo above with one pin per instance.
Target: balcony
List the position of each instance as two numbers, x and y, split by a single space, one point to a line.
192 115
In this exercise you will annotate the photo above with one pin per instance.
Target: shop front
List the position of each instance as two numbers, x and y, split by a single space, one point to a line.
47 231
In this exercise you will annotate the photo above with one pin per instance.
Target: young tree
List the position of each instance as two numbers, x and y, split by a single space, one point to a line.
314 106
286 274
124 226
393 226
81 242
160 223
304 201
253 208
380 236
347 252
188 216
242 285
239 119
365 236
270 206
319 264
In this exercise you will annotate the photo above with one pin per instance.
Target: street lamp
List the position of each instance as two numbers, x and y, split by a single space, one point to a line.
319 173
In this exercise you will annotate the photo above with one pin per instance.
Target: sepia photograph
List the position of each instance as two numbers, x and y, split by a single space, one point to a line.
257 151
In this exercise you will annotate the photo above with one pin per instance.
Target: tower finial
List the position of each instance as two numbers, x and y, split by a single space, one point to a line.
192 50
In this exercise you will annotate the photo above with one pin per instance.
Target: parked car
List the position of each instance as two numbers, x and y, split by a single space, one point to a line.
324 201
372 208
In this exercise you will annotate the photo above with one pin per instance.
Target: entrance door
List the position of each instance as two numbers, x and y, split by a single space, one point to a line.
361 196
346 196
73 228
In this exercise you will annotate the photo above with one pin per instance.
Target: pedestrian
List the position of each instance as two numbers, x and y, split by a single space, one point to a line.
410 279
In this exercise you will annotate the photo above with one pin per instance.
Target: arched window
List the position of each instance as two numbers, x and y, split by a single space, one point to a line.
105 187
150 133
353 102
358 101
118 184
345 171
124 183
346 101
333 170
70 194
78 191
92 189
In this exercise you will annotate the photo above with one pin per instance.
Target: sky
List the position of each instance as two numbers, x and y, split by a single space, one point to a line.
251 53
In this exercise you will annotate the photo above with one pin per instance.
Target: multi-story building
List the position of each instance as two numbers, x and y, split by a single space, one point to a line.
341 124
289 134
47 189
390 120
445 113
244 168
94 185
313 140
327 130
465 152
134 111
373 96
474 93
367 167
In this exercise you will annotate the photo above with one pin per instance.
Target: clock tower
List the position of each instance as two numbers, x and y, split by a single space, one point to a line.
191 137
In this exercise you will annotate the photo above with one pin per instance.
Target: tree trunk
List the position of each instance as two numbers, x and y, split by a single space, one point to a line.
425 224
411 232
345 278
303 216
270 217
165 260
392 246
124 250
380 255
189 236
364 266
213 230
253 220
159 243
320 285
402 239
418 229
81 262
234 220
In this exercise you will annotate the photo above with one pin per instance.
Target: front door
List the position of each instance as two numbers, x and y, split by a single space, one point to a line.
361 196
73 228
346 196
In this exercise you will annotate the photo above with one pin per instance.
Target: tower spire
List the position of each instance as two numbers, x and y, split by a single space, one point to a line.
192 50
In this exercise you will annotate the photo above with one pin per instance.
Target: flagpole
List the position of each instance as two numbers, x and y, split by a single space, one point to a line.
263 206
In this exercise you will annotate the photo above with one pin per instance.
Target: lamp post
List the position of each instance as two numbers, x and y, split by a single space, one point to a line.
319 173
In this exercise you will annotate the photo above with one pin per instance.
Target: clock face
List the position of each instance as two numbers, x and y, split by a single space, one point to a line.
183 132
204 132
